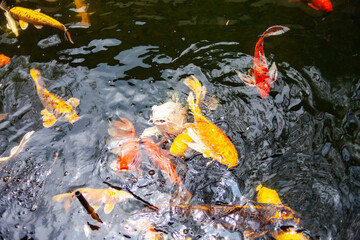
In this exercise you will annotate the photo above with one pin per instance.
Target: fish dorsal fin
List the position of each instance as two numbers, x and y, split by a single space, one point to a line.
73 102
38 26
23 24
253 234
108 208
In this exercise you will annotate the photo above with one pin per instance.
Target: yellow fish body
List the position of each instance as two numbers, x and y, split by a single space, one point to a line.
55 107
206 137
38 19
96 197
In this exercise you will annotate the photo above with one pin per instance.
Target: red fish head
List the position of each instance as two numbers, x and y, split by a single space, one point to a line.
324 5
263 88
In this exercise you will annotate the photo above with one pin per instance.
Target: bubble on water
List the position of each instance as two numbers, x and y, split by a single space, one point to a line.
151 172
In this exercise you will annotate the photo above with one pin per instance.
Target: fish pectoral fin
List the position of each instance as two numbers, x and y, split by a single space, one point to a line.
73 102
108 208
96 207
48 118
313 6
253 234
247 79
38 26
23 24
273 72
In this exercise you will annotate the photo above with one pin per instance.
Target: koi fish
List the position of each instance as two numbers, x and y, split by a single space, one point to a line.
4 60
161 158
55 107
260 76
3 116
256 219
128 147
267 195
82 10
17 149
96 197
206 137
324 5
11 22
38 19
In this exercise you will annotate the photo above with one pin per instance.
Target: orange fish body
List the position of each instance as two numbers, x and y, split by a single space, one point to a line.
267 195
161 158
255 219
207 137
82 9
324 5
96 197
260 76
38 19
129 151
4 60
55 107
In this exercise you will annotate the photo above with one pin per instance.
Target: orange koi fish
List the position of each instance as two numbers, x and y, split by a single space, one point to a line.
38 19
82 9
55 107
324 5
256 219
260 76
96 197
4 60
206 137
128 147
267 195
161 158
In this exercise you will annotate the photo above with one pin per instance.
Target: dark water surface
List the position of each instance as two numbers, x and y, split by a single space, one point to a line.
303 141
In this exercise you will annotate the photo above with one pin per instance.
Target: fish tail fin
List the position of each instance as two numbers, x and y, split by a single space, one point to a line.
122 129
3 6
66 198
67 35
195 86
275 30
193 107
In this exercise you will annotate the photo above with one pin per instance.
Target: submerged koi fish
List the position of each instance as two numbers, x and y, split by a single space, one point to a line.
260 76
11 22
17 149
267 195
161 158
254 218
82 10
128 147
96 197
206 137
55 107
4 60
38 19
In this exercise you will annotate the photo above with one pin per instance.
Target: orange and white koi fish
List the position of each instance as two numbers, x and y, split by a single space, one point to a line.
17 149
55 107
96 197
206 137
11 21
38 19
4 60
260 76
161 158
127 144
267 195
82 10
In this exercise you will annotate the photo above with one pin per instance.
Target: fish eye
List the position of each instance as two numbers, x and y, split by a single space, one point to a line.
284 213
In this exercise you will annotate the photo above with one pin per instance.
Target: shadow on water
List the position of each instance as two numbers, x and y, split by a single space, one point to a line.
303 141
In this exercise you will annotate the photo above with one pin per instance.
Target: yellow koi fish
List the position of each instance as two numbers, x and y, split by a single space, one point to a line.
38 19
96 197
267 195
206 137
11 21
55 107
82 10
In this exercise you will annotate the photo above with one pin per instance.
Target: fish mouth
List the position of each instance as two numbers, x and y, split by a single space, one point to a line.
295 228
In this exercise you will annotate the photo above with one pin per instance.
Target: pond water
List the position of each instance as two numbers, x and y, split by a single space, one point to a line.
303 140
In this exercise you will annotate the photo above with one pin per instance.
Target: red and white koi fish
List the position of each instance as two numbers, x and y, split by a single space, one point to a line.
128 147
260 76
96 197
